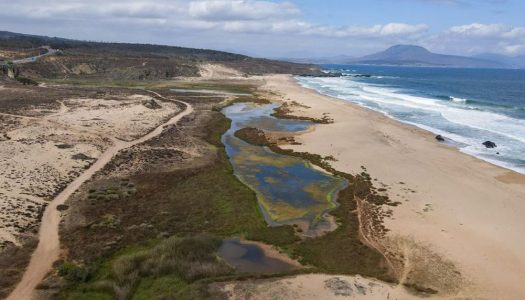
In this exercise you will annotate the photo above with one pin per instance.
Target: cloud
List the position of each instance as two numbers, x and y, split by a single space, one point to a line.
241 16
464 2
488 30
260 27
241 10
477 37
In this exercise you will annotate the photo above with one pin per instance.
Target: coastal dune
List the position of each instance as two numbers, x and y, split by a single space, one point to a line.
459 227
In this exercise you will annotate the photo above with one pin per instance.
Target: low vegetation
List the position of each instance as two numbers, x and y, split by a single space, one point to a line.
285 112
26 81
139 262
124 61
342 250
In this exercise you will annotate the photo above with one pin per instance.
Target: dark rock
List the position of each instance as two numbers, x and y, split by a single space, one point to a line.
339 287
151 104
361 75
62 207
440 138
322 74
490 144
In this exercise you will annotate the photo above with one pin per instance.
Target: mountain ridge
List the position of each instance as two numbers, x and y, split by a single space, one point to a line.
412 55
80 59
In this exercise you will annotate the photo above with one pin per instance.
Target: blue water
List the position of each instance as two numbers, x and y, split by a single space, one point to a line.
467 106
250 258
288 188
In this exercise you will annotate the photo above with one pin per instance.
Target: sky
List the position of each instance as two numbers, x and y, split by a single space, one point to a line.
281 29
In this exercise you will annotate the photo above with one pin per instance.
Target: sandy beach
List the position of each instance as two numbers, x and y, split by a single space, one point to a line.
458 228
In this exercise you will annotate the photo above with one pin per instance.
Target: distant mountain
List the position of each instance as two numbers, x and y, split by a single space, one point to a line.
410 55
512 61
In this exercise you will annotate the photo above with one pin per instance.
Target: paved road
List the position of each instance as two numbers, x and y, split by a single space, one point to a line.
50 51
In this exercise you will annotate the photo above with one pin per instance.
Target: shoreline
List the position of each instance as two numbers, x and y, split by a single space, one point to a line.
511 176
461 210
425 129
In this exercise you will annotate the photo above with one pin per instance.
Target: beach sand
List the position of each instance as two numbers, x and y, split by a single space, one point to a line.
460 227
314 287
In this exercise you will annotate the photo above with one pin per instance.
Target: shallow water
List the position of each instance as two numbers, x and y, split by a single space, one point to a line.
289 189
250 258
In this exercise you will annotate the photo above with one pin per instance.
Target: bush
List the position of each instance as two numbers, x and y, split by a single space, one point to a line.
73 272
189 258
26 81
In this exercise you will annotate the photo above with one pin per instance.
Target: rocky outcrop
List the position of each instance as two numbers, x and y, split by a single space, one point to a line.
489 144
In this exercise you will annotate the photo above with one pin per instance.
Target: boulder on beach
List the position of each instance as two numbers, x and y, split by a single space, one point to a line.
489 144
440 138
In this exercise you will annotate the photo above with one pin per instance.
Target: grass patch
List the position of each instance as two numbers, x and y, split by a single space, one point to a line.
164 269
285 112
26 81
219 86
81 156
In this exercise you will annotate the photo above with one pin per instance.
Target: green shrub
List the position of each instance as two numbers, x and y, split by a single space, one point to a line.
73 272
188 258
26 81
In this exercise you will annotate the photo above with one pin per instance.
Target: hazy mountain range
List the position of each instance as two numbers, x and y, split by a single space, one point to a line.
410 55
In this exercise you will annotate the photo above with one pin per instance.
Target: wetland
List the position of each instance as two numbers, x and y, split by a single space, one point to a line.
289 189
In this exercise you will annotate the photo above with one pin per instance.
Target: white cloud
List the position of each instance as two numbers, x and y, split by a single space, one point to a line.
376 31
249 25
241 16
488 30
478 37
514 49
241 10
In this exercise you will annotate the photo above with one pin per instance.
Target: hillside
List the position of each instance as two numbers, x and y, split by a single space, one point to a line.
513 61
409 55
130 61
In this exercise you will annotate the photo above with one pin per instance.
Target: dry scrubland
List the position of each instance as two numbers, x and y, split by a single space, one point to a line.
49 136
46 145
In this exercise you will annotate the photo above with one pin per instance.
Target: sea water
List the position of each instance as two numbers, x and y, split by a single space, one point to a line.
466 106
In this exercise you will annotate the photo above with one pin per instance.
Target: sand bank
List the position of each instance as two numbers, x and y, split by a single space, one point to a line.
314 287
459 228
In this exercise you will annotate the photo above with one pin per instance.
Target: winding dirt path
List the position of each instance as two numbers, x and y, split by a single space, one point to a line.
48 249
368 240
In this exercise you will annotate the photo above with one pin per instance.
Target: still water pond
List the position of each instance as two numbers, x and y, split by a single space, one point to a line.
251 258
288 189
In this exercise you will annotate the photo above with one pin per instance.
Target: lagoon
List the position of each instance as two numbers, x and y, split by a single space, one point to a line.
289 189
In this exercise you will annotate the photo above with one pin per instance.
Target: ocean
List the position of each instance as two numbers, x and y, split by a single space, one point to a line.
466 106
